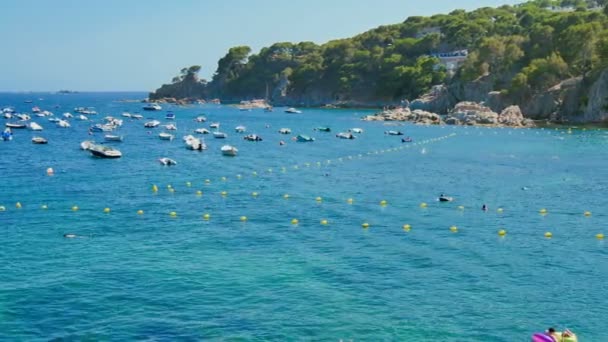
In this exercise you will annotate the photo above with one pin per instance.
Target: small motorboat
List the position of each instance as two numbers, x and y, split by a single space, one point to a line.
63 124
82 117
220 135
406 140
323 129
356 130
167 161
7 135
152 107
200 119
15 125
68 115
152 124
240 129
39 140
202 131
35 127
137 116
171 127
170 116
165 136
285 131
346 136
35 109
86 145
253 137
195 144
304 138
114 138
23 117
214 125
229 151
126 114
293 111
393 132
104 151
8 115
444 198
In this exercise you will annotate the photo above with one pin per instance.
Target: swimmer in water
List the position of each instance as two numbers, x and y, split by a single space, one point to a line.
484 207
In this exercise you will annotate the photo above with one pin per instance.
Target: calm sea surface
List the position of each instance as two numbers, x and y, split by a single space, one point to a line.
157 277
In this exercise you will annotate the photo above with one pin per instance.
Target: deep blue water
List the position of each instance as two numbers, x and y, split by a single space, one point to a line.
157 277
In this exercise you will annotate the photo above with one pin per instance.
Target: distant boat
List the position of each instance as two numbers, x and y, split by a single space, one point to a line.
63 124
356 130
200 119
345 136
137 116
86 145
171 127
201 131
407 140
126 115
170 116
82 117
39 140
220 135
152 124
229 151
165 136
253 137
15 125
293 111
115 138
35 109
104 151
167 161
28 101
323 129
393 132
214 125
285 131
68 115
152 107
7 135
23 117
195 144
304 138
240 129
35 127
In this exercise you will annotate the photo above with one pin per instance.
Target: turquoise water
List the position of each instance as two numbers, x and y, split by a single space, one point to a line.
157 277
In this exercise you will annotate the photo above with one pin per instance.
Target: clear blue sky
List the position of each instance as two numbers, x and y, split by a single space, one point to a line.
106 45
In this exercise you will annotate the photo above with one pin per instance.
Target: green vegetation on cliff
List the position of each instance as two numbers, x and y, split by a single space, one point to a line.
524 49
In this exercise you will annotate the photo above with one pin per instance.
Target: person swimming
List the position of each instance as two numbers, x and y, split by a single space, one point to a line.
484 207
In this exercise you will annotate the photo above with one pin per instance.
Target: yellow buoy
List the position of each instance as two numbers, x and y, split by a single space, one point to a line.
224 179
461 207
350 201
154 188
106 210
502 232
44 206
365 225
600 236
199 193
140 212
383 203
407 227
454 229
319 199
294 221
188 184
254 194
206 217
18 205
224 193
173 214
499 210
254 173
75 208
423 205
2 208
171 190
587 213
543 211
324 222
286 196
548 235
243 218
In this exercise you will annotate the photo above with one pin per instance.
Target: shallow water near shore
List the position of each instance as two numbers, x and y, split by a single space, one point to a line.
153 276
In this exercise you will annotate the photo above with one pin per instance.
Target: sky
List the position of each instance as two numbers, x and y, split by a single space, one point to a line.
137 45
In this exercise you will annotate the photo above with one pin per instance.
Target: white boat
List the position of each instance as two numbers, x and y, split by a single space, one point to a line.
285 131
230 151
110 137
35 127
193 143
113 121
63 124
137 116
152 124
23 117
126 115
170 116
165 136
86 145
171 127
253 137
214 125
393 132
8 115
82 117
39 140
17 125
240 129
104 151
345 136
167 161
220 135
68 115
293 111
153 107
7 135
356 130
201 131
200 119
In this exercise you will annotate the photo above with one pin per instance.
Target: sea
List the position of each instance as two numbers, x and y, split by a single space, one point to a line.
331 240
